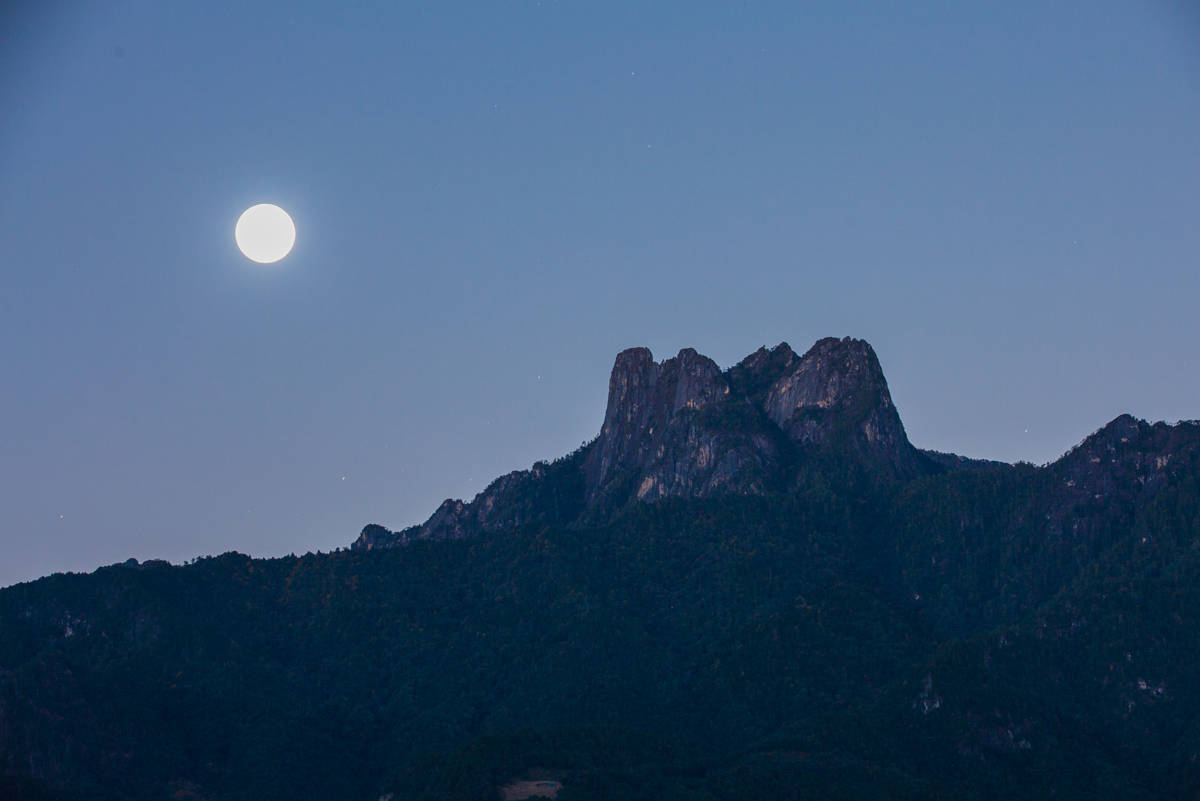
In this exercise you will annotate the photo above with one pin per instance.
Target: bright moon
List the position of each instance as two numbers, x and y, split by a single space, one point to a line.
265 233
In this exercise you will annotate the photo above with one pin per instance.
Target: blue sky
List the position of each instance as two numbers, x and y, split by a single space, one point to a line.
492 199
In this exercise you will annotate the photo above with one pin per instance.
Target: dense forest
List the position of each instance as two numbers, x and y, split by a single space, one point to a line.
865 622
850 638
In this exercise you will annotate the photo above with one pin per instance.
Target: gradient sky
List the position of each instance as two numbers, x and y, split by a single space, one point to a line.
493 198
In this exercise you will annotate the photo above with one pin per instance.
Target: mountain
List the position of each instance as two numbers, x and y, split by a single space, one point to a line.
685 428
749 585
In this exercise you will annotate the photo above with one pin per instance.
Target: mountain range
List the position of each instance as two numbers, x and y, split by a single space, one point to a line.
684 428
750 584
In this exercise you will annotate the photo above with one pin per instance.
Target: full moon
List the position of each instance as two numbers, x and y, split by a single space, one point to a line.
265 233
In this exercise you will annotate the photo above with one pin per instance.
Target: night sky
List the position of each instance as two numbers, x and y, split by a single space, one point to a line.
493 199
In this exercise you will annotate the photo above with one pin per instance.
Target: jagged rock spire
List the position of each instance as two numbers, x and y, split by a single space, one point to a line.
684 427
645 400
838 387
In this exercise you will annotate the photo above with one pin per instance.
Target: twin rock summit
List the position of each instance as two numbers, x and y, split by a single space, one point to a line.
684 427
749 585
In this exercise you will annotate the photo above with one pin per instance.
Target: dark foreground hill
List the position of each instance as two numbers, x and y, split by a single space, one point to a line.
749 586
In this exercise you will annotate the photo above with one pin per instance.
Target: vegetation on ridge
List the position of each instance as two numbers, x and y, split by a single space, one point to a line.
749 586
852 637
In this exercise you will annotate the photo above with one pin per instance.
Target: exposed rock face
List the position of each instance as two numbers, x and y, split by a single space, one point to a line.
659 437
684 427
838 388
642 396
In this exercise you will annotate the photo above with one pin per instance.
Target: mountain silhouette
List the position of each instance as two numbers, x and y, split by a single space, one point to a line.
749 585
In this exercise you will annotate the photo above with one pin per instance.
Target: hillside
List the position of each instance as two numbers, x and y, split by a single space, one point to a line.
750 585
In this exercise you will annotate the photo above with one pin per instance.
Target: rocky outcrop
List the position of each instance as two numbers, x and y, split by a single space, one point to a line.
668 431
375 536
837 394
547 492
754 375
1118 466
1128 453
643 396
685 428
506 503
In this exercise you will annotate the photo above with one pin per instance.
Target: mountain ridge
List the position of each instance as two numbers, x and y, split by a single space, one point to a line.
685 428
850 629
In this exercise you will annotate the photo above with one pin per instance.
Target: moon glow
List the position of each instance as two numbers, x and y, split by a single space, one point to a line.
265 233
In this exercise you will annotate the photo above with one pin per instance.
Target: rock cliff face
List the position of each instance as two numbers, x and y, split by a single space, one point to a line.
684 427
838 390
667 432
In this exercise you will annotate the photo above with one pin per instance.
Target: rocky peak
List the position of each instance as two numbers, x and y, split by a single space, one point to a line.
644 397
640 387
683 427
755 374
838 388
1127 453
375 536
833 374
697 380
629 386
